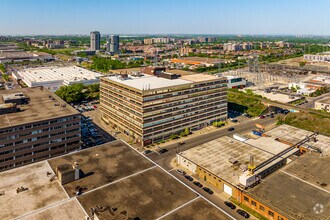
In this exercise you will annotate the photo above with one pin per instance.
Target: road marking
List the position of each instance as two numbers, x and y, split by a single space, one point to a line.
180 181
181 206
305 181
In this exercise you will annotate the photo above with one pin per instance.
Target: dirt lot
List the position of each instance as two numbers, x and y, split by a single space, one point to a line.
41 191
102 164
148 195
199 209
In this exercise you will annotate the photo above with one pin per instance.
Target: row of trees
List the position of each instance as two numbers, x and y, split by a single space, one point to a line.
248 99
78 92
105 64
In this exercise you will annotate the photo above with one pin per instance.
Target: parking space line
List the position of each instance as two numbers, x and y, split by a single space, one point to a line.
180 181
181 206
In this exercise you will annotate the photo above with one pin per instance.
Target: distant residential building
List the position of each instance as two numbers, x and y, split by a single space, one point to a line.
247 46
323 57
232 47
95 40
323 104
153 70
114 44
35 126
186 50
148 41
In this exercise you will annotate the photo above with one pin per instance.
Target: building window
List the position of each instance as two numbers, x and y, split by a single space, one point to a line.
262 208
271 213
246 199
253 203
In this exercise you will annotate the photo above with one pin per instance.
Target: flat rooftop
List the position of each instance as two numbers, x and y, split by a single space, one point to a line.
148 195
55 73
293 135
101 165
298 188
146 82
325 100
283 98
268 144
214 156
41 191
119 179
40 107
199 209
70 209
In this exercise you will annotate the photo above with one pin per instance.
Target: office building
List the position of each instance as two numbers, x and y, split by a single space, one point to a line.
114 44
37 125
149 108
95 40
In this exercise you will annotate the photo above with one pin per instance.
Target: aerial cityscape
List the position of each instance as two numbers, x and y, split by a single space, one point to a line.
167 110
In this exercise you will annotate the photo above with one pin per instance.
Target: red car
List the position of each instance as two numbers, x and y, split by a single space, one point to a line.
262 116
94 106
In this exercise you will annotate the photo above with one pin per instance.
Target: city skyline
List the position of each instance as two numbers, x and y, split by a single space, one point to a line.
253 17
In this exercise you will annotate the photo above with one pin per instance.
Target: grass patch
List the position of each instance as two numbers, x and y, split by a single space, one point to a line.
309 121
254 106
249 210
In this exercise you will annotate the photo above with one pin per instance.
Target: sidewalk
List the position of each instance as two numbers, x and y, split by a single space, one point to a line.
204 130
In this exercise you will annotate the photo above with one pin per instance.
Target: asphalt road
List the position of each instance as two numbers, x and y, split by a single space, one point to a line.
311 101
244 127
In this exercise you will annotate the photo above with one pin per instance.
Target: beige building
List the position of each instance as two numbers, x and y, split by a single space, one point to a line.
149 109
323 104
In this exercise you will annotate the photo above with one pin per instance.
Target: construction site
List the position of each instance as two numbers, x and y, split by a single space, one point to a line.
244 168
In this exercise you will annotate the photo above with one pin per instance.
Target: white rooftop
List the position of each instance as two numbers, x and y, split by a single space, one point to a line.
48 74
147 82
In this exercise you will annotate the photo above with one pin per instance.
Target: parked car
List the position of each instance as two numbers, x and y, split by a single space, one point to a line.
164 150
243 213
189 178
208 190
181 143
230 205
262 116
231 129
181 172
147 152
198 184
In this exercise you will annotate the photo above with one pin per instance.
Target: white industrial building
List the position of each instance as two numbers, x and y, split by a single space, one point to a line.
322 57
236 82
55 77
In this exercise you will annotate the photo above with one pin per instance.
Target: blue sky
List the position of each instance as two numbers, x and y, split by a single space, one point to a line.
165 16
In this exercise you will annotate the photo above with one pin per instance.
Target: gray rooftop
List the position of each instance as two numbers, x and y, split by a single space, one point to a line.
43 105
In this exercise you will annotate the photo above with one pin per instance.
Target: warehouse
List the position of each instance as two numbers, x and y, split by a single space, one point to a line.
225 163
55 77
